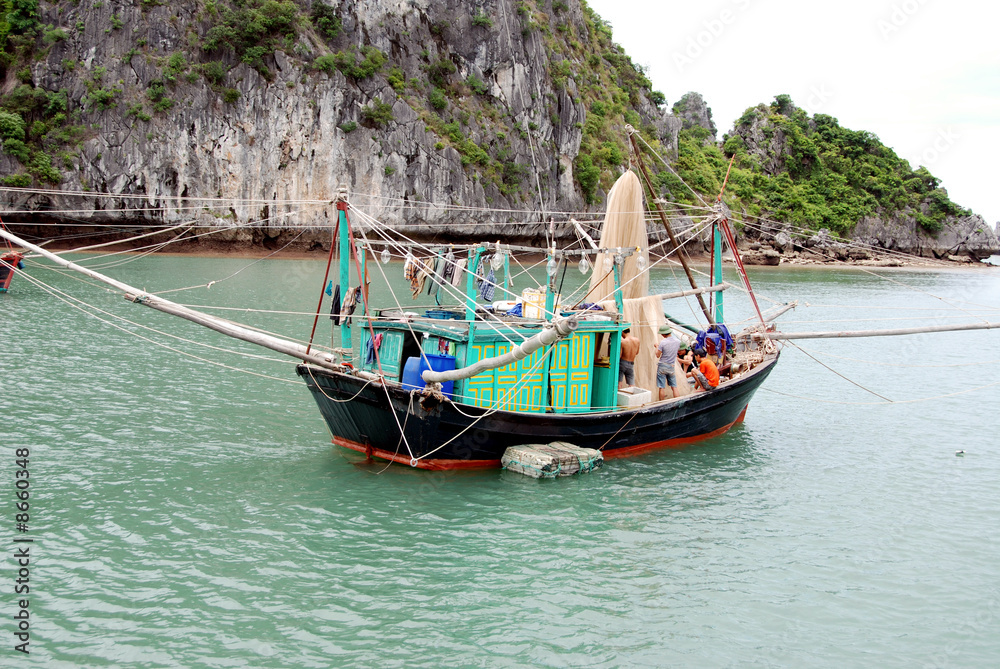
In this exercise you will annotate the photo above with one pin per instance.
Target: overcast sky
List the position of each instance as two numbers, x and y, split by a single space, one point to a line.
923 75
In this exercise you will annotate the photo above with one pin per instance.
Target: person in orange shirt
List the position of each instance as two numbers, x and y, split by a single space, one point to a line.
706 377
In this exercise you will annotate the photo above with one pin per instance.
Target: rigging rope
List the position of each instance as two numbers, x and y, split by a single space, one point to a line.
913 401
448 288
824 365
69 299
885 363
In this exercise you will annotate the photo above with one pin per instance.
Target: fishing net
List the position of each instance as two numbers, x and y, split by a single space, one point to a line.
646 316
624 227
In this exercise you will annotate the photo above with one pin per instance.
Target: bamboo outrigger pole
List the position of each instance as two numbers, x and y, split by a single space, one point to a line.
835 334
227 328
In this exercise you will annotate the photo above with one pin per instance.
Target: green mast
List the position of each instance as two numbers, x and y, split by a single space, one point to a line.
717 270
343 276
721 218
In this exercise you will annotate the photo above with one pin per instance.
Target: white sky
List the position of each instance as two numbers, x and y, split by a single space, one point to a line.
923 75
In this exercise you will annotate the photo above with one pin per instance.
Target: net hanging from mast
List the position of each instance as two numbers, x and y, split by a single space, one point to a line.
624 227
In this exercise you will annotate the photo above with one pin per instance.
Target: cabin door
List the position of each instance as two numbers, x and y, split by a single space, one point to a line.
571 374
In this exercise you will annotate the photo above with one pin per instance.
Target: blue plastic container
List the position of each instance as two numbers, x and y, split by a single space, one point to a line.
411 375
414 368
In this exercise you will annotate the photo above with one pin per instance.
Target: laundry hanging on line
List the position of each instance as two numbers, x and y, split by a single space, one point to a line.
335 306
488 286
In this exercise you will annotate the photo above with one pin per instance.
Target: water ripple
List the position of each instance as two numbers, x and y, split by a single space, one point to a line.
188 516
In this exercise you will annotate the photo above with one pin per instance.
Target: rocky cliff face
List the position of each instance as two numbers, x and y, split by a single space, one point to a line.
450 117
694 112
484 96
962 236
807 174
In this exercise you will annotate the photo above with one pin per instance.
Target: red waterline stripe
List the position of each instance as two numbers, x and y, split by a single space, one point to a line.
432 464
443 464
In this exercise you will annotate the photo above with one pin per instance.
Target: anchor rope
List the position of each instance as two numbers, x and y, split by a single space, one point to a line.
885 363
913 401
495 407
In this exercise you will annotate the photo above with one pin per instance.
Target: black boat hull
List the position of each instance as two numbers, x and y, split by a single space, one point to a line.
368 417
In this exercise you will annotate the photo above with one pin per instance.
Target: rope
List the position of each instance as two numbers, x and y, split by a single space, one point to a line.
75 277
667 165
122 241
653 264
801 232
353 397
897 364
914 401
448 288
728 232
242 269
378 359
493 409
822 364
69 300
322 289
631 418
531 142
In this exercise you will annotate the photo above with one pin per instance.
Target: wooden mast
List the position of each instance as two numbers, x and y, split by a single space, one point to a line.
681 255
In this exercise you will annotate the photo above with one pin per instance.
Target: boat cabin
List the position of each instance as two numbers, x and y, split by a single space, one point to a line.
574 378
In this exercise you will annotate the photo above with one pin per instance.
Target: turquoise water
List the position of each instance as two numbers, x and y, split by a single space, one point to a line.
191 515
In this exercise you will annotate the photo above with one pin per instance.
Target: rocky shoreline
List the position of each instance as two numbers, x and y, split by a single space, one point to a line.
822 248
312 246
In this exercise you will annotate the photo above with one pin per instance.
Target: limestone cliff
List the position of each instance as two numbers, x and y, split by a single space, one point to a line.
694 112
433 113
408 102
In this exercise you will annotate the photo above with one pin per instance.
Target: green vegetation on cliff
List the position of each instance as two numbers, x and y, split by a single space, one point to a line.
36 128
590 87
809 171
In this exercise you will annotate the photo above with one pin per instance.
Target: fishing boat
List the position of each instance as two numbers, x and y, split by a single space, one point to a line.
9 263
456 385
456 388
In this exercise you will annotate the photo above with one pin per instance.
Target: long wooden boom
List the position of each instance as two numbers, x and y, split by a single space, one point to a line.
834 334
228 328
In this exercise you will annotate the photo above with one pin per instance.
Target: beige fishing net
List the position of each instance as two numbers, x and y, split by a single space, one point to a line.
624 227
646 316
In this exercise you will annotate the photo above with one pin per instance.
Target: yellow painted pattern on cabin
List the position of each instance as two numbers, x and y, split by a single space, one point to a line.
479 388
518 387
571 373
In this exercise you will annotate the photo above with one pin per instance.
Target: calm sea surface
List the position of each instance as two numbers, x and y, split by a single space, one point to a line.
190 515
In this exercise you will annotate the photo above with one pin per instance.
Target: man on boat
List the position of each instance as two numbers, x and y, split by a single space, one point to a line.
706 376
626 367
666 351
685 357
